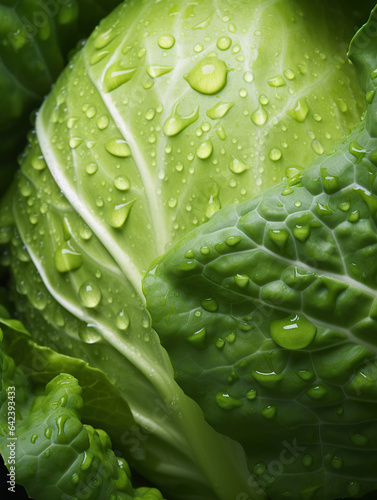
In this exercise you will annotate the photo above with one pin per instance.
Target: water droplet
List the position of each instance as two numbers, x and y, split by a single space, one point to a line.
353 488
294 332
89 334
198 339
237 166
252 394
176 123
103 122
241 280
150 114
342 105
259 116
60 422
104 38
307 460
166 41
38 163
336 462
198 48
317 147
269 412
90 294
289 74
122 320
118 147
98 56
274 154
221 133
227 402
300 112
209 76
204 150
209 304
354 216
370 96
67 259
276 81
224 43
359 439
118 214
91 168
172 202
116 75
317 391
122 183
157 71
248 77
219 110
75 142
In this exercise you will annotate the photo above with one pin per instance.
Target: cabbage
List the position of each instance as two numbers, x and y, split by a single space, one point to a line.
173 122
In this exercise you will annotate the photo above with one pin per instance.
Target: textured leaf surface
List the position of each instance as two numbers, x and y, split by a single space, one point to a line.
269 314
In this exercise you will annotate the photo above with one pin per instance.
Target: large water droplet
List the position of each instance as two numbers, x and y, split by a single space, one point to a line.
122 320
209 76
176 123
224 43
209 304
294 332
67 259
204 150
116 75
300 112
227 402
237 166
166 41
90 294
259 116
118 214
276 81
118 147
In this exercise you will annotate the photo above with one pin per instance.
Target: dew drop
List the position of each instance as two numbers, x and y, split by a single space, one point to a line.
176 123
259 116
103 122
227 402
166 41
67 259
276 81
122 320
116 75
220 110
89 334
300 112
157 71
274 154
118 147
224 43
209 304
293 332
237 166
38 163
91 168
90 294
118 214
122 183
209 76
204 150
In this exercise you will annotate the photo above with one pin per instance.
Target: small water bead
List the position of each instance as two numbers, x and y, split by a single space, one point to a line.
263 100
104 38
198 339
118 214
269 412
317 118
75 142
91 168
224 43
116 75
209 76
220 110
222 135
241 280
317 391
118 147
38 163
206 127
289 74
198 48
275 154
276 81
252 394
359 439
157 71
353 488
204 150
67 259
89 334
317 147
236 49
91 112
259 116
172 202
294 332
237 166
300 112
179 167
307 460
90 294
122 320
248 77
337 462
209 304
86 233
227 402
166 41
243 93
98 56
150 114
122 183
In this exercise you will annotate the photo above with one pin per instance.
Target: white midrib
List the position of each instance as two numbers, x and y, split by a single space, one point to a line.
124 261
